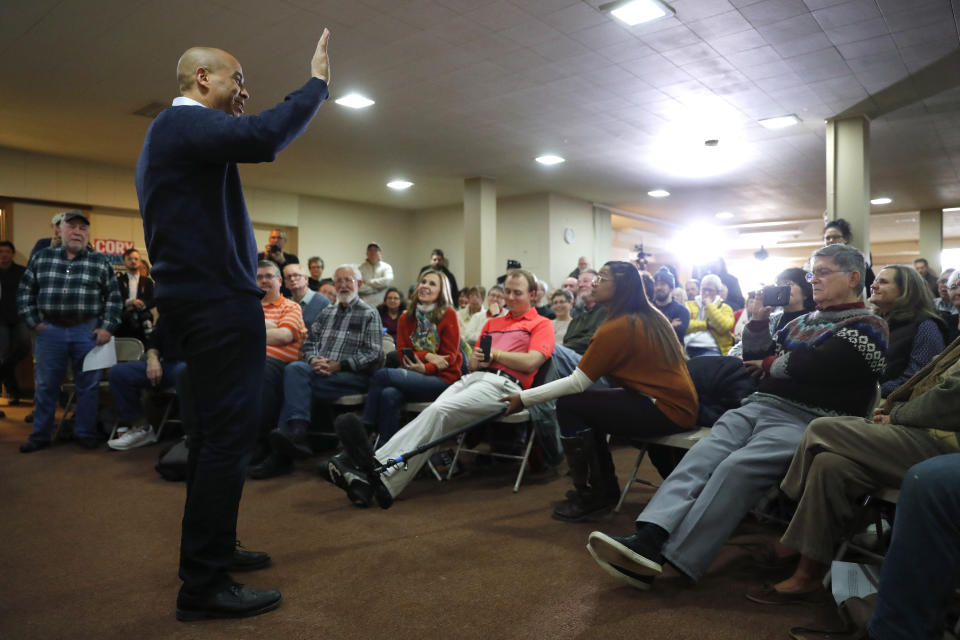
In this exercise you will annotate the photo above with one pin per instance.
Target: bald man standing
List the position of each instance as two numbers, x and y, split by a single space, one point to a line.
204 256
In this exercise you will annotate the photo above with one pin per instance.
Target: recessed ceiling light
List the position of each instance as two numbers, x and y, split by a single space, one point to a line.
779 122
548 159
354 101
399 185
724 215
658 193
881 201
947 210
634 12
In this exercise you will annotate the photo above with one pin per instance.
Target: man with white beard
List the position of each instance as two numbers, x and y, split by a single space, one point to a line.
343 348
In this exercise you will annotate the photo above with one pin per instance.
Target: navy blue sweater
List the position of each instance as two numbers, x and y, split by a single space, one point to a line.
198 233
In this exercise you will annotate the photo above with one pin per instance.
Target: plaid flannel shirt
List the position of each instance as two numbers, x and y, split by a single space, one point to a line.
351 335
57 289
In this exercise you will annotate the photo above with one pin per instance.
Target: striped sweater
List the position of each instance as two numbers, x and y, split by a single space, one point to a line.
826 362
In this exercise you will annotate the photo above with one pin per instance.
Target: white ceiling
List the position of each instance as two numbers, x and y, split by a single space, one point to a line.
481 87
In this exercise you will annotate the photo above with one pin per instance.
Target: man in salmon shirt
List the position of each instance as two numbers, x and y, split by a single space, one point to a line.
522 340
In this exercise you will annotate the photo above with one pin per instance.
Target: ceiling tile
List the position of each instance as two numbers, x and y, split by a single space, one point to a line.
881 45
720 25
603 35
902 16
847 13
819 65
560 48
530 33
858 31
690 10
691 53
575 17
737 42
769 11
669 39
753 57
625 51
941 31
806 44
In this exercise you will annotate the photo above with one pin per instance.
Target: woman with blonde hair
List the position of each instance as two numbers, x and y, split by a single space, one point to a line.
637 349
428 341
901 296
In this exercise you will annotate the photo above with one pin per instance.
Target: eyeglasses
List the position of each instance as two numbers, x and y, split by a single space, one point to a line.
954 287
820 274
266 276
600 279
294 276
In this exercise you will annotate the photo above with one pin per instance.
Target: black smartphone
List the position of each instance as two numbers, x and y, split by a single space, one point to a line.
408 354
776 296
486 342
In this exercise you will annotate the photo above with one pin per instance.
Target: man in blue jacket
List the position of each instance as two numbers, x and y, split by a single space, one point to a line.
187 179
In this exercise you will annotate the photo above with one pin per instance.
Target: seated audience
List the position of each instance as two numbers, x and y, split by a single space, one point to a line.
14 333
429 329
570 284
158 371
800 303
283 319
136 320
929 278
328 290
732 296
390 311
901 297
522 340
711 321
342 350
439 262
638 350
918 578
942 302
463 300
581 329
842 459
474 305
562 302
315 266
679 296
311 303
838 232
495 309
542 305
826 362
692 288
676 313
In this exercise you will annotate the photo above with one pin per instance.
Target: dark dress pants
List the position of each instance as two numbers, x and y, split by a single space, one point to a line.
223 343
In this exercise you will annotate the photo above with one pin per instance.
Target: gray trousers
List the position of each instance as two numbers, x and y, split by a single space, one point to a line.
720 479
838 461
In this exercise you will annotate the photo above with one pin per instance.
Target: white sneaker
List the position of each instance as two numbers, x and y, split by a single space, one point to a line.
136 437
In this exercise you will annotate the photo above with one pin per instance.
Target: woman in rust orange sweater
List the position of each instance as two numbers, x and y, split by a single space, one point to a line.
638 351
430 329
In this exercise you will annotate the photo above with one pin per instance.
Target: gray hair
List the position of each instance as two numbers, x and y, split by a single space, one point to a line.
847 258
270 264
352 268
712 278
952 280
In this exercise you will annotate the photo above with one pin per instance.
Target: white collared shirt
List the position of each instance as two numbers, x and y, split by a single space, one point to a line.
184 101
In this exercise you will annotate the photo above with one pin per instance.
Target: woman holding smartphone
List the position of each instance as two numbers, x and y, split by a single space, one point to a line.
428 339
637 349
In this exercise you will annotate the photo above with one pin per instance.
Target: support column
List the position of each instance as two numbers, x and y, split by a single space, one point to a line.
602 236
480 231
931 238
848 176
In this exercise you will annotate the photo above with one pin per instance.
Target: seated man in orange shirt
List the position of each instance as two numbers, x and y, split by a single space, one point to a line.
521 341
285 333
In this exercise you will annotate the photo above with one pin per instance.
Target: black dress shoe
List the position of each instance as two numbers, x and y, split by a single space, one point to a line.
272 466
291 444
244 560
234 601
32 445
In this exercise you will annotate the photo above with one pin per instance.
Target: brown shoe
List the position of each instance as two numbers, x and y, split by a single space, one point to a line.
769 595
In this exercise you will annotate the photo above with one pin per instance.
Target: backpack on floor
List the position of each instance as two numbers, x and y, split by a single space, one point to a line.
172 464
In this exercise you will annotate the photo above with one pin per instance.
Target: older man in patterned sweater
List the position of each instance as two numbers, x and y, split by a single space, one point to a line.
824 363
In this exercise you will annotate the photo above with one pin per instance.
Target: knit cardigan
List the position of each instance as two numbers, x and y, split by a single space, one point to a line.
826 362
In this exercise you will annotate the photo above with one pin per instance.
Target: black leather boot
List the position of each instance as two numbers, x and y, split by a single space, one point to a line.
591 468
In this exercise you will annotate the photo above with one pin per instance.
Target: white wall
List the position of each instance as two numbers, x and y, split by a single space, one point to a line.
577 215
522 227
438 228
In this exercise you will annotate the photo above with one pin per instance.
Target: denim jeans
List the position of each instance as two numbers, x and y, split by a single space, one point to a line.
55 346
126 381
301 385
920 571
390 389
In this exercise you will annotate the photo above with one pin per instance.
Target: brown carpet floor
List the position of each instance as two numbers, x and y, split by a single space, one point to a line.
90 538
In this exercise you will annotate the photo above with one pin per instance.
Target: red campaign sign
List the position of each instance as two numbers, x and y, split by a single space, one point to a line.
114 247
